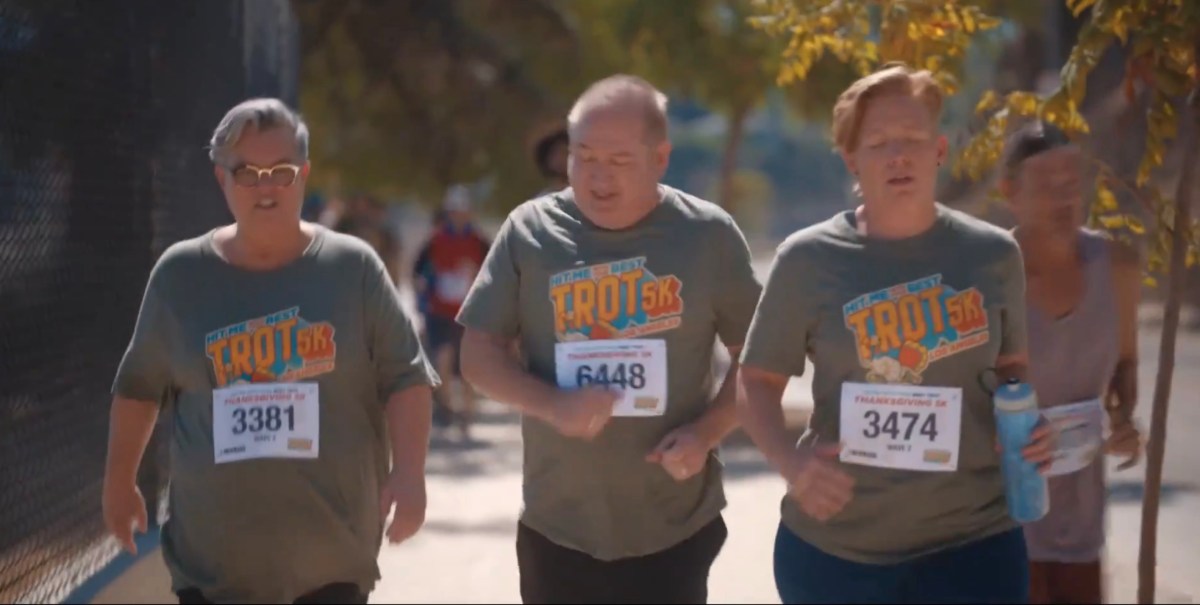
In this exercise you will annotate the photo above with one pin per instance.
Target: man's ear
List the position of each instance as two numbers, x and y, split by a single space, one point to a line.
662 157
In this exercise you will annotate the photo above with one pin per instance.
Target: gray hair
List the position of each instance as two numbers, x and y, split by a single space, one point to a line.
625 89
262 114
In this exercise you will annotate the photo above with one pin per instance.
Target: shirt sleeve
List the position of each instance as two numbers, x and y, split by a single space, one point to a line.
1014 335
779 336
737 288
400 360
491 304
144 372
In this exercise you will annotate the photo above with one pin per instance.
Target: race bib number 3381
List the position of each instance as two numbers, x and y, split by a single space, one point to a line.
636 367
270 420
901 426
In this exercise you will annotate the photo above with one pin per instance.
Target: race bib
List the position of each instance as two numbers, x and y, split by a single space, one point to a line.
901 426
268 420
453 287
637 367
1080 435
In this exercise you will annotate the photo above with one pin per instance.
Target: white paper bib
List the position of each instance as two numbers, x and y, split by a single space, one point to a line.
268 420
1080 435
638 367
910 427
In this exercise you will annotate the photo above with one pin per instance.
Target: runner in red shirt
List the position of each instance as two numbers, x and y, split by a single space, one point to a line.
444 271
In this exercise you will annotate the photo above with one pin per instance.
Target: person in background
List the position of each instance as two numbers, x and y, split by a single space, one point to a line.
365 218
298 389
1082 295
445 268
895 492
551 154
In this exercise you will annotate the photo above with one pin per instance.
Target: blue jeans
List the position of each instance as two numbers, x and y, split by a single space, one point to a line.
992 570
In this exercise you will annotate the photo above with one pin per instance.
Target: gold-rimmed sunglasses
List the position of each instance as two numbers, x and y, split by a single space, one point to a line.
279 175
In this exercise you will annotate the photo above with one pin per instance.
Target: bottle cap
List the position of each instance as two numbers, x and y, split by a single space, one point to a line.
1014 395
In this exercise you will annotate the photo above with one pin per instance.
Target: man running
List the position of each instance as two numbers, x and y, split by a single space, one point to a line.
445 269
617 282
1082 296
298 390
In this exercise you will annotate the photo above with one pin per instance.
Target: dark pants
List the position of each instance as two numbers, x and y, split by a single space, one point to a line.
1066 583
992 570
339 594
555 574
444 331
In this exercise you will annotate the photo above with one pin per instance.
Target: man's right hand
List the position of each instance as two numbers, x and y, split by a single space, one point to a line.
583 413
817 484
123 507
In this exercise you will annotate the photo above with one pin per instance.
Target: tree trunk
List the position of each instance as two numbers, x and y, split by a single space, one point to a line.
733 143
1147 560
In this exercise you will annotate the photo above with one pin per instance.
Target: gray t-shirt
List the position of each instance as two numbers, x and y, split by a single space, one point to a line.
681 275
271 529
935 310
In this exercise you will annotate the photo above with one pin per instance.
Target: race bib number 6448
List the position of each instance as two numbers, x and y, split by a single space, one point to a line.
636 367
901 426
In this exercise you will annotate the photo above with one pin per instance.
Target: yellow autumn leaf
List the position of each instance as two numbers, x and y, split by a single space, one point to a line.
986 103
1023 103
985 23
1078 6
1106 202
1135 225
1121 29
1112 221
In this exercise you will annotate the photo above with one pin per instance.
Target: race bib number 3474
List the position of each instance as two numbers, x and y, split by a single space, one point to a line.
637 367
901 426
270 420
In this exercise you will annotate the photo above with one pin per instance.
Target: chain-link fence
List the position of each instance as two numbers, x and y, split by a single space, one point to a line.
105 109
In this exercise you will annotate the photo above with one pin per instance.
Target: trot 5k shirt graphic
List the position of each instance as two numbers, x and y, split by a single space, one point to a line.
278 347
614 300
901 329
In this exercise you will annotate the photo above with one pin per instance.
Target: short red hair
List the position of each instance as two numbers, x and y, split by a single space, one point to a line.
892 78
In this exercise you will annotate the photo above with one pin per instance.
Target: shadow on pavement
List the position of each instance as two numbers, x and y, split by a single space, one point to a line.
1132 492
500 526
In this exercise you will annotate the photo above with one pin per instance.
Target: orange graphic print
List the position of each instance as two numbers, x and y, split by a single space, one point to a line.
620 299
281 346
902 329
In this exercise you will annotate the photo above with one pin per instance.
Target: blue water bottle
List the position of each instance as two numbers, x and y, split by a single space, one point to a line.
1017 413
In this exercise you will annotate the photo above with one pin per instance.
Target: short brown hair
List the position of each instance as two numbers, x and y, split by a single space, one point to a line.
892 78
625 88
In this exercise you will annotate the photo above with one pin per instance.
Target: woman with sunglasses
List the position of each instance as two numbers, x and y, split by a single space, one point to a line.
905 309
298 391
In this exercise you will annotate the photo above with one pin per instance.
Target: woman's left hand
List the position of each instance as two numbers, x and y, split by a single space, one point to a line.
1040 450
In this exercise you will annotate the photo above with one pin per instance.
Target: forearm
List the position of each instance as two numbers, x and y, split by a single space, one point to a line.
721 418
491 368
131 422
760 410
1123 391
409 414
